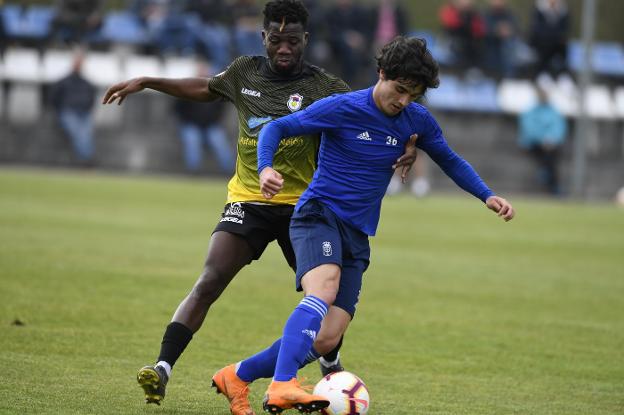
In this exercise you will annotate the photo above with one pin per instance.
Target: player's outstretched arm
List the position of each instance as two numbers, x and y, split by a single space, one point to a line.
501 206
271 182
406 161
195 89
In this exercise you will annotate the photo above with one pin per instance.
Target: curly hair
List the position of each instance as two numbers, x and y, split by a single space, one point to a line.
408 59
284 12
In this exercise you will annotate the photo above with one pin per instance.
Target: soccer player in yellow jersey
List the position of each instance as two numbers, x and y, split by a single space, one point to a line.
262 89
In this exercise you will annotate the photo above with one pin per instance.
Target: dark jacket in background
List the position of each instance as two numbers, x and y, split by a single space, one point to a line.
202 114
73 92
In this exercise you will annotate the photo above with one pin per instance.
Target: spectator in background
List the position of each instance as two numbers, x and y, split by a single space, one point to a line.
147 11
318 48
550 29
76 19
389 21
542 132
349 37
246 28
168 28
465 29
199 124
73 97
501 30
211 30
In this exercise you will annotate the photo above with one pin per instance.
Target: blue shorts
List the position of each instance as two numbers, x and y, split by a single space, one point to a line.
320 237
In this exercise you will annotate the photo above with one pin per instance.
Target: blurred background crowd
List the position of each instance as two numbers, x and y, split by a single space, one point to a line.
509 80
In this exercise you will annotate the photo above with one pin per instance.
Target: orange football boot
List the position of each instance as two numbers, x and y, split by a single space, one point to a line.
287 395
235 390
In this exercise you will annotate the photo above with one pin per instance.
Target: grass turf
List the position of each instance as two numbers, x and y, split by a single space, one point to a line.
460 312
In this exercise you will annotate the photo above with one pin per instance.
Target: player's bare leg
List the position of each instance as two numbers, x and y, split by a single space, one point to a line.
227 255
329 339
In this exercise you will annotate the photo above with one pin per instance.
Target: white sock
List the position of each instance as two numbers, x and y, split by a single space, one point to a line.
329 364
165 366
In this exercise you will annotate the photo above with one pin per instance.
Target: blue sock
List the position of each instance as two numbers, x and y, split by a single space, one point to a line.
299 334
262 365
312 356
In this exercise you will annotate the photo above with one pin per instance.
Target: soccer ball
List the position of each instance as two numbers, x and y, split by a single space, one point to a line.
347 394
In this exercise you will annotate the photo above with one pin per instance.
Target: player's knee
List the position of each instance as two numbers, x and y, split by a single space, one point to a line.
210 285
325 293
330 296
330 288
322 282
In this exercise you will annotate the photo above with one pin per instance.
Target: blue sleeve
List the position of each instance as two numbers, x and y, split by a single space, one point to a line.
270 137
321 115
458 169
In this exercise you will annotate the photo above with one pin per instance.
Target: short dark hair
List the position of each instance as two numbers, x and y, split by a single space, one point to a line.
285 11
407 58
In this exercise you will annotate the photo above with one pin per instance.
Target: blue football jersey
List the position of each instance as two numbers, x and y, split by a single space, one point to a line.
359 145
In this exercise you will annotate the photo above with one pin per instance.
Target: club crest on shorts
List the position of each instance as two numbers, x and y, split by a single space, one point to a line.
327 249
294 102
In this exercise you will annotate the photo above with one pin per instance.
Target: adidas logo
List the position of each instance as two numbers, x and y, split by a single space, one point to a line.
364 136
310 333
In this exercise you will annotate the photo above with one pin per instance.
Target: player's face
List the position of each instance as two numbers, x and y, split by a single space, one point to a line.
392 96
285 45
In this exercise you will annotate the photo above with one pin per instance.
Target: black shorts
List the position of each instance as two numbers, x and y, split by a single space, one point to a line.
259 225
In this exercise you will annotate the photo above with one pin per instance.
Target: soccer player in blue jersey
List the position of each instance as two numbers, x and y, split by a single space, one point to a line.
362 135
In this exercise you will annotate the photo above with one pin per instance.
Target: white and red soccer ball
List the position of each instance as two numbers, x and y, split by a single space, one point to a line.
347 394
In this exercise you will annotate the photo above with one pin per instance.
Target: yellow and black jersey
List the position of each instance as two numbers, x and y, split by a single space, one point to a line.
260 95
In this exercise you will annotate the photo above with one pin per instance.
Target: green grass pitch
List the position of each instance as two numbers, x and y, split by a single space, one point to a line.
460 313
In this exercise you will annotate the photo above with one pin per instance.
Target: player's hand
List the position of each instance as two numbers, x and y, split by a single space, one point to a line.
271 182
501 206
121 90
406 161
